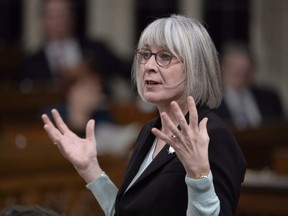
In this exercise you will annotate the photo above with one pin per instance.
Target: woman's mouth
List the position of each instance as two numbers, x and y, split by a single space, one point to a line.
151 83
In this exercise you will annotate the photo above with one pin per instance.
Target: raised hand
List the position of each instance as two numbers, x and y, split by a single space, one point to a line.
191 142
81 152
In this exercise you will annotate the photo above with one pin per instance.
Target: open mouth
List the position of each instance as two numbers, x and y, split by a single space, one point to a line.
151 82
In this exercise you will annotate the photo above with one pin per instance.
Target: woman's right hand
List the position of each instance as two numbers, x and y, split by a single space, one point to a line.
81 152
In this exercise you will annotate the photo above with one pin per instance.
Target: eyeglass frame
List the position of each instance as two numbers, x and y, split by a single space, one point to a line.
137 51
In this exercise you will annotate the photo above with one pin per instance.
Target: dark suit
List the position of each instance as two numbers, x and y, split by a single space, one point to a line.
268 103
36 67
161 189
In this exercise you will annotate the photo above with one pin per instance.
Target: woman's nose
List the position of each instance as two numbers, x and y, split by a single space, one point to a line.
151 63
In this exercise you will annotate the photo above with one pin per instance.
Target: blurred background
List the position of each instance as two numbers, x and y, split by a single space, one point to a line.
93 81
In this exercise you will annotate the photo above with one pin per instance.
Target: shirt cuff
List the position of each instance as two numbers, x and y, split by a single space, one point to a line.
201 189
104 191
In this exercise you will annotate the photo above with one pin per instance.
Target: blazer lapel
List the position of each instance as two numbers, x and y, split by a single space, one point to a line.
144 143
162 158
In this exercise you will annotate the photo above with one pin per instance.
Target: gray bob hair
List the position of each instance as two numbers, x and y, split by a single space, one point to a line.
189 41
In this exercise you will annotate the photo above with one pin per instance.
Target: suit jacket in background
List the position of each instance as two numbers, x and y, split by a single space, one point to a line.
268 103
36 67
161 188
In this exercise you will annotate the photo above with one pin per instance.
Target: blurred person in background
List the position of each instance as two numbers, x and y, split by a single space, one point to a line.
62 49
83 98
244 104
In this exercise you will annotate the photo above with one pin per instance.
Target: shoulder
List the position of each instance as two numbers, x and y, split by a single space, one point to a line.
222 140
37 55
156 122
268 99
219 132
263 93
214 121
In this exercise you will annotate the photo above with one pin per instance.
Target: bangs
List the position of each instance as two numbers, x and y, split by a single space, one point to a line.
160 33
153 36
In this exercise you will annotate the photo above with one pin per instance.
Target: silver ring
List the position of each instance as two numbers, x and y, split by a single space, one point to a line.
173 136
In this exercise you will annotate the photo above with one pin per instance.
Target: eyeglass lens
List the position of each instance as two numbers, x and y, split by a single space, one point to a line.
162 58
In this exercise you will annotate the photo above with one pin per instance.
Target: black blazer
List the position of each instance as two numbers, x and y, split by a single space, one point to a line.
161 189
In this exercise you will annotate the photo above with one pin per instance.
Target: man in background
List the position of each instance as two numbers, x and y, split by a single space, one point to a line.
244 104
62 50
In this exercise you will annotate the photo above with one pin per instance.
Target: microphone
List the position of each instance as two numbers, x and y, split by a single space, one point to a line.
174 85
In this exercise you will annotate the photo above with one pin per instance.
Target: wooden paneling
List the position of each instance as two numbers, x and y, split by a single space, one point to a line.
264 193
260 144
33 172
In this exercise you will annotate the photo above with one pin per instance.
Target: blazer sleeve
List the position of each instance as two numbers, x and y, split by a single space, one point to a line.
228 166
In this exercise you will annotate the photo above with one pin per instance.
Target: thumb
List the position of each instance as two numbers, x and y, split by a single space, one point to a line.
90 132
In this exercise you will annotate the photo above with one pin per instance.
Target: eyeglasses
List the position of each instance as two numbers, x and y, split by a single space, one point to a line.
162 58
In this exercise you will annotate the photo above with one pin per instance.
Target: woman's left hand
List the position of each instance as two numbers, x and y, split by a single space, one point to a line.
190 142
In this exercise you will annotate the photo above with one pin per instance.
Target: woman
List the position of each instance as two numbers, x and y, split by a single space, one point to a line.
179 166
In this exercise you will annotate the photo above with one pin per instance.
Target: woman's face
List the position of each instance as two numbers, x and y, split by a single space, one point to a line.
160 84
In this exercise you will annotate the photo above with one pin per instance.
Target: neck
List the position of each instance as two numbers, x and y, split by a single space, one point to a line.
167 109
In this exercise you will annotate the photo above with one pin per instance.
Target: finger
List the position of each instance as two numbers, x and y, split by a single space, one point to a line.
46 119
162 136
157 133
203 124
179 115
167 123
48 125
59 121
90 131
203 127
53 133
193 115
